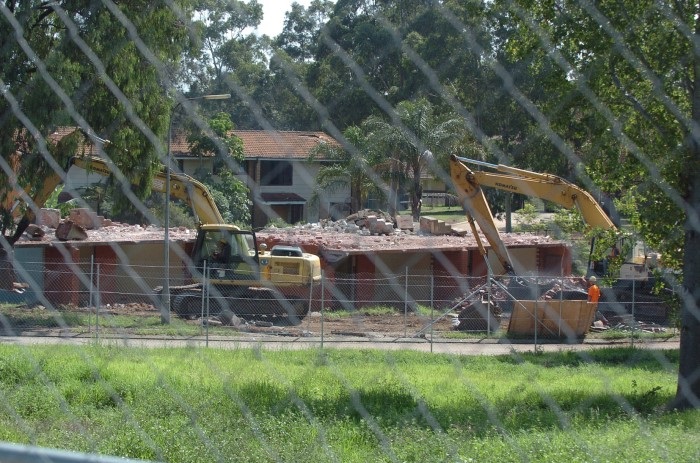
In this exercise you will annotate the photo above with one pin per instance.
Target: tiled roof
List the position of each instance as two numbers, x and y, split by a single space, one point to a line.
60 132
266 144
257 144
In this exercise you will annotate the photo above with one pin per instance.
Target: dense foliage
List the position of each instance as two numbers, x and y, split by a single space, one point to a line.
74 63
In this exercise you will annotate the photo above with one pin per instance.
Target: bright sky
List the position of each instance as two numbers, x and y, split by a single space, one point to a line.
273 11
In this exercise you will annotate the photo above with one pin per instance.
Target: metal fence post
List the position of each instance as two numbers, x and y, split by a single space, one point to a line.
432 307
634 322
207 300
311 298
92 292
323 302
98 300
489 291
405 304
536 326
202 322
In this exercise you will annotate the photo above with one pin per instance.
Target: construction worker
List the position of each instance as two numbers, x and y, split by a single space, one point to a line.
593 297
593 290
223 252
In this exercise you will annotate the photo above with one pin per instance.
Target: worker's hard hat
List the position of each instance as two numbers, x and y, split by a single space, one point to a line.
592 279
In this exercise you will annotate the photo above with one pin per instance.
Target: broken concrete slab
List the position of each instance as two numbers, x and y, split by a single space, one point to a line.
35 232
434 226
85 218
48 217
67 231
404 222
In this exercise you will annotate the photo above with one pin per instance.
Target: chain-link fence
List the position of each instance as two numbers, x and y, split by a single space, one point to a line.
88 299
604 94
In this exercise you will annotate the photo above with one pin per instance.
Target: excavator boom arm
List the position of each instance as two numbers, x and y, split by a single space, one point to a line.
549 187
544 186
478 210
182 187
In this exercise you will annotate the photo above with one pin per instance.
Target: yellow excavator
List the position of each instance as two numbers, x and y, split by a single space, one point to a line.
241 276
548 187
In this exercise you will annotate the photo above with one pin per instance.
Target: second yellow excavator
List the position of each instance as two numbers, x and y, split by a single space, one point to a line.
548 187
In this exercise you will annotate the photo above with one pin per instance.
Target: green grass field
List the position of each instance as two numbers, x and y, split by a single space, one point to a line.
198 405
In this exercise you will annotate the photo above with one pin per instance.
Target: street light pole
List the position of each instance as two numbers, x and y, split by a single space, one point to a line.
165 310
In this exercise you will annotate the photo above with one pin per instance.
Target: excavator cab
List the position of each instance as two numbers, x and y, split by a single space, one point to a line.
229 253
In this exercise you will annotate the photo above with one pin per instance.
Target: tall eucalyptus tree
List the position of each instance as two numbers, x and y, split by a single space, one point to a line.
95 66
624 103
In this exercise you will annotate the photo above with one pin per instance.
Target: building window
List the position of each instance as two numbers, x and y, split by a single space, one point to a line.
275 173
296 213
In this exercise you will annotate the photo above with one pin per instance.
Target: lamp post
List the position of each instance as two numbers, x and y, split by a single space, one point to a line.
165 311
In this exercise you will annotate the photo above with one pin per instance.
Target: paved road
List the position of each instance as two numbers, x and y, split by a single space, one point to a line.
461 347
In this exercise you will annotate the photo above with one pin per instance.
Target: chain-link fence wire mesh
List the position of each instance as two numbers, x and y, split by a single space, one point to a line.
84 297
73 296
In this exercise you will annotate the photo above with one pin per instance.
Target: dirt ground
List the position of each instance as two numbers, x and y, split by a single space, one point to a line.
360 325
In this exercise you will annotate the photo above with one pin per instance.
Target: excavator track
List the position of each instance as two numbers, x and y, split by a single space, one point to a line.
250 304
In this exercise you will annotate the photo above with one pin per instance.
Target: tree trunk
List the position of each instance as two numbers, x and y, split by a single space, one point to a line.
416 194
355 198
688 390
509 210
394 186
7 273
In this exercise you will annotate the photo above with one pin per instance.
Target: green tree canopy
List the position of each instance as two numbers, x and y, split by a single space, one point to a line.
348 165
79 64
410 142
230 194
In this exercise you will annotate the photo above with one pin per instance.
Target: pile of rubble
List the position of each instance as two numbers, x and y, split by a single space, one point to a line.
628 323
364 231
365 222
480 315
368 222
83 224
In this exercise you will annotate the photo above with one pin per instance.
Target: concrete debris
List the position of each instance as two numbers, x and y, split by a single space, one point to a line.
67 231
435 226
86 218
404 222
343 237
351 235
228 318
360 218
479 315
629 323
49 218
35 232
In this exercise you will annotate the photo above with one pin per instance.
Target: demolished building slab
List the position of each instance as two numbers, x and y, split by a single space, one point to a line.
346 251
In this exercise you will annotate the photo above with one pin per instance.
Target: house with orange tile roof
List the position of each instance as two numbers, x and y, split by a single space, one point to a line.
279 175
276 170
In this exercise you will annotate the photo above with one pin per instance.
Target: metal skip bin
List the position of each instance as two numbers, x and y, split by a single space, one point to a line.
551 318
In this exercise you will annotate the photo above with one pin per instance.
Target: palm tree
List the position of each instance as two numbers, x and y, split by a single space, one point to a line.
410 138
349 166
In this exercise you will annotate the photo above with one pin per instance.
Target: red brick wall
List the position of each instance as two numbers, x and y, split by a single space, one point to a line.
61 284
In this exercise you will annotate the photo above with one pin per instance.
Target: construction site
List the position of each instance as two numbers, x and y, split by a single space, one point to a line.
428 276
